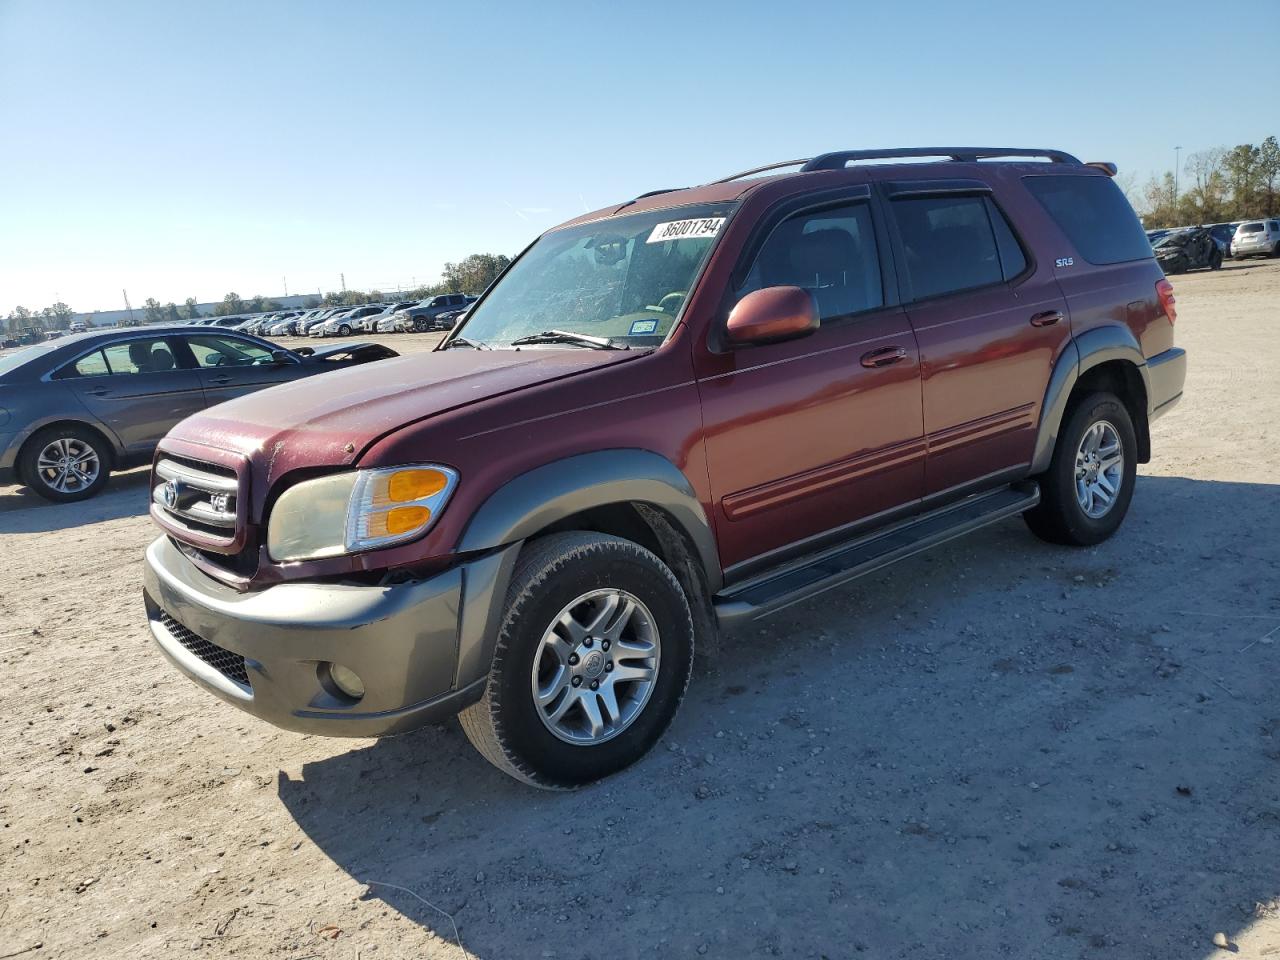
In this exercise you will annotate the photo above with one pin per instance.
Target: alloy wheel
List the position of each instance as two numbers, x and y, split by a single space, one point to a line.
595 667
68 465
1099 469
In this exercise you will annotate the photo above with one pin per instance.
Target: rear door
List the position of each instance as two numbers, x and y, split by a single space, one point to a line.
232 366
138 387
990 322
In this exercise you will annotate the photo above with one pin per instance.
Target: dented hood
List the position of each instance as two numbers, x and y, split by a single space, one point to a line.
331 419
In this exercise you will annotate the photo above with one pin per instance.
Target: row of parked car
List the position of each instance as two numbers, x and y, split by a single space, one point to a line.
440 312
1179 249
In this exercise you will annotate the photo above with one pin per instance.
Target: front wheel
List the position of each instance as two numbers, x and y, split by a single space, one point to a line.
344 331
1085 493
1215 261
592 660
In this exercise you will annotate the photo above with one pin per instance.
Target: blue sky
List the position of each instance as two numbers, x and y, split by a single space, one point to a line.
179 149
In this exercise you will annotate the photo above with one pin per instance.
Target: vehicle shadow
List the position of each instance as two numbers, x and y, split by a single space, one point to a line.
1002 748
22 511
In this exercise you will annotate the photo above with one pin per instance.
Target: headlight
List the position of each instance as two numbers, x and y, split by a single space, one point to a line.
363 510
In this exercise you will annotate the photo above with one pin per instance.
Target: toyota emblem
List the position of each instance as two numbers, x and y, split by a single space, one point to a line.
170 493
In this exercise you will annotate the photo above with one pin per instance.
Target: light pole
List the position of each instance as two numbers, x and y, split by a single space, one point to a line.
1177 162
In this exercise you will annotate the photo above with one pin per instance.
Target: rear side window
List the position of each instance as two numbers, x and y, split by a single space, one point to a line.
93 365
1251 228
139 356
953 243
1095 216
831 253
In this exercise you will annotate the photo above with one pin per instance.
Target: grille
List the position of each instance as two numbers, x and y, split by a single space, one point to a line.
230 665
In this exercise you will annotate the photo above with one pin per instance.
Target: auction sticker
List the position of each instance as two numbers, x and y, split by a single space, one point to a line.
685 229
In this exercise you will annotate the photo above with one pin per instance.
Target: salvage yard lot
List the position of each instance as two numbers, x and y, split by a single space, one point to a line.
1001 748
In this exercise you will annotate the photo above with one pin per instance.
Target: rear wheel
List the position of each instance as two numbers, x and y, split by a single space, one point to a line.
65 464
344 331
1085 493
1215 260
591 662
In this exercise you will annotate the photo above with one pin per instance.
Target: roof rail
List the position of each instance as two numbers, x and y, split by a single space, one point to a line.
765 168
841 158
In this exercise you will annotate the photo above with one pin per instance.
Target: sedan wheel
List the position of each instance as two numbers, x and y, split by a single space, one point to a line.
65 465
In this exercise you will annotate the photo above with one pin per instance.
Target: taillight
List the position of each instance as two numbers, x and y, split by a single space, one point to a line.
1164 290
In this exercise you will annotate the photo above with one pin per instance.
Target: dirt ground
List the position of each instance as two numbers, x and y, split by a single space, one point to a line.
1001 748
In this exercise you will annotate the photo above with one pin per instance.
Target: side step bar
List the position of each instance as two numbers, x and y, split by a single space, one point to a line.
778 589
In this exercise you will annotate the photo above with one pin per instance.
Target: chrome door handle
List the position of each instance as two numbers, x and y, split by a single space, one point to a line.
883 357
1046 319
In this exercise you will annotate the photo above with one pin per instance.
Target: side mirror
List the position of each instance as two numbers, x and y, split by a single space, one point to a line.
771 315
282 357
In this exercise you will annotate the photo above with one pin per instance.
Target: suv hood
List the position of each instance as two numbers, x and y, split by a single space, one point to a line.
331 418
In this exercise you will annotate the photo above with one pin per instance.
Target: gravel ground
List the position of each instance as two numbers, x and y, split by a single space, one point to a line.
1001 748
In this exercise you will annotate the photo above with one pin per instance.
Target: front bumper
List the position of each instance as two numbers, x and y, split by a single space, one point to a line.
419 647
1166 376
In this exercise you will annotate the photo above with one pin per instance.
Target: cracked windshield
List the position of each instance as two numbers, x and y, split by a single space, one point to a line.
623 279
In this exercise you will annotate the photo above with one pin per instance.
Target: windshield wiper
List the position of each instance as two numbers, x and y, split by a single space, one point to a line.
568 336
464 342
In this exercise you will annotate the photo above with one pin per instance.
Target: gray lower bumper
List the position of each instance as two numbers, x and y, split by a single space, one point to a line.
1166 375
405 641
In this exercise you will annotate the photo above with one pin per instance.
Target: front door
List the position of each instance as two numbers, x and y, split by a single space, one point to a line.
231 366
138 388
812 435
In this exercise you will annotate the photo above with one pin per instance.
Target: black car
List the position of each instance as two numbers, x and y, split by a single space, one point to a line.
1190 249
73 410
424 316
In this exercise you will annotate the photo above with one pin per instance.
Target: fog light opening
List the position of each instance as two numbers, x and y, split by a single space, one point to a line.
341 681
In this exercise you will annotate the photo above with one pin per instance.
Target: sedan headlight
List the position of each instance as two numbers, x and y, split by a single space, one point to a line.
355 511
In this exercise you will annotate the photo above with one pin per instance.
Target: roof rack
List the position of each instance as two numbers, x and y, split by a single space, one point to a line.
840 159
764 169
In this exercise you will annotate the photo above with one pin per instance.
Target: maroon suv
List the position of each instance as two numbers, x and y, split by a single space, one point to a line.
669 416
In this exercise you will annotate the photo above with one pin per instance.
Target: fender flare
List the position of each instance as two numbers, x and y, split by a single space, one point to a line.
1081 354
533 501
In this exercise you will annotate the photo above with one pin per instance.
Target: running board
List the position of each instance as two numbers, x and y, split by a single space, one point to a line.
778 589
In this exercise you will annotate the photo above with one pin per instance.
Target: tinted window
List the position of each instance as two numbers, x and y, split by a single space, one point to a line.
1012 258
1251 228
1095 216
948 243
831 253
1273 224
138 356
228 352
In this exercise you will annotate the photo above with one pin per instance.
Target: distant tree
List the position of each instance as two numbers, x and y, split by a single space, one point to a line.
311 303
1241 167
171 313
62 315
191 309
1206 199
474 273
1269 175
154 312
231 305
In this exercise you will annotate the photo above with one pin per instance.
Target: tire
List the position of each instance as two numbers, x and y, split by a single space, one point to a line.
1215 262
509 728
344 331
1060 516
71 443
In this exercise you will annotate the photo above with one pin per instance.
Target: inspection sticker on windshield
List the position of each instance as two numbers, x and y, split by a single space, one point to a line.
685 229
641 327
